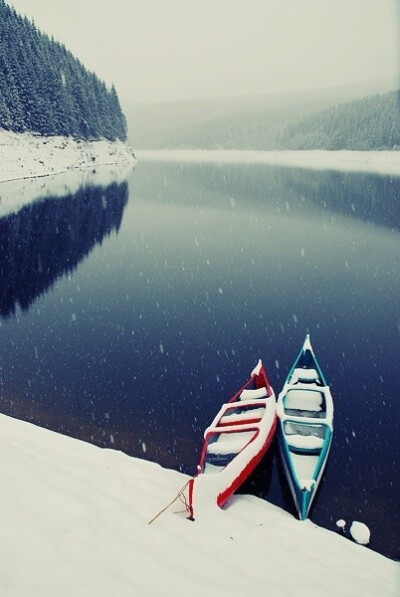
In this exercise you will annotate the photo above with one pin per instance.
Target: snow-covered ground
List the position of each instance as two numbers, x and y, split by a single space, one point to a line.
23 155
75 523
382 162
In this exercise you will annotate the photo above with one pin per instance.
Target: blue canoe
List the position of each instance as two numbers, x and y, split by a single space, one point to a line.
305 426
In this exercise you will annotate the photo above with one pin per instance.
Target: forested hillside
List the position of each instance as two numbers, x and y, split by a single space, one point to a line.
44 89
238 121
369 123
252 130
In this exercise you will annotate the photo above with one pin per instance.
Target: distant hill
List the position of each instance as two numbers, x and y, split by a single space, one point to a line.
45 89
246 122
370 123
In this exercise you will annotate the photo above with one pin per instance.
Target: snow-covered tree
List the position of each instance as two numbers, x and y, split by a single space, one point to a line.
44 88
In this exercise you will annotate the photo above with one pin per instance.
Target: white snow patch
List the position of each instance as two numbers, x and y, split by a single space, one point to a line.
307 484
25 155
233 418
75 522
341 523
307 344
308 442
360 532
257 368
253 394
383 162
304 400
230 443
303 375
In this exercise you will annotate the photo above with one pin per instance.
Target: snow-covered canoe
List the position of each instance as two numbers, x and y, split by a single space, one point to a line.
234 443
305 414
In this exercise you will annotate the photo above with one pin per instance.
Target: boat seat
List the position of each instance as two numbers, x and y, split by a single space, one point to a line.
254 394
304 400
230 443
219 460
309 444
309 414
253 414
304 376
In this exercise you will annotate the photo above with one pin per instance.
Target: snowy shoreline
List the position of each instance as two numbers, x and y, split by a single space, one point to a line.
380 162
76 523
26 155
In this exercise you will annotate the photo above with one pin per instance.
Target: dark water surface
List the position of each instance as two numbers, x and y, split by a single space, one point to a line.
128 314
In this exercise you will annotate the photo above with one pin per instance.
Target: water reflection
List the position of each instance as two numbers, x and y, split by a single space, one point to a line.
364 197
48 239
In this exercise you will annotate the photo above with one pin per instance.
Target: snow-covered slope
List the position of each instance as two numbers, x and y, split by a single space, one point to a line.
75 523
23 155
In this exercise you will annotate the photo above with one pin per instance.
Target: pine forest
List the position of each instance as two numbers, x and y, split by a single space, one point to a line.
45 89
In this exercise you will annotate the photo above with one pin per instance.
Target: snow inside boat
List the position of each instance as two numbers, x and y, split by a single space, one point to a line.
234 443
305 413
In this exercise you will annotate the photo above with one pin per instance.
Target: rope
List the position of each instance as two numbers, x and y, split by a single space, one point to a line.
180 495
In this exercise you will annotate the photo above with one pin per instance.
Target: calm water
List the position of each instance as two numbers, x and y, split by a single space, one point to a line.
130 312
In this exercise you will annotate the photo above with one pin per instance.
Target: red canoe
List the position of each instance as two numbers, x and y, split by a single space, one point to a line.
234 443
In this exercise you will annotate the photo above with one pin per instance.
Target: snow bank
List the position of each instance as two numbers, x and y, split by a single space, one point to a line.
74 522
382 162
23 155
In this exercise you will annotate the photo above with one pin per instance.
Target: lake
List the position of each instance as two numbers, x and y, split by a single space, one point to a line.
130 310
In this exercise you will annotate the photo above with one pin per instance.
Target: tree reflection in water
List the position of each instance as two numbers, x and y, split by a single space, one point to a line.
48 239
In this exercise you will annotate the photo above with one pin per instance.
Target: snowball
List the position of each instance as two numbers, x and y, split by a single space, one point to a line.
360 533
341 523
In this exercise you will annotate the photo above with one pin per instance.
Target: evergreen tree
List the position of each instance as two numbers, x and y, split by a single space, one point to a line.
44 88
370 123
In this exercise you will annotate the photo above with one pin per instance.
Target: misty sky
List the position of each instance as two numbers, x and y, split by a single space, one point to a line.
162 50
